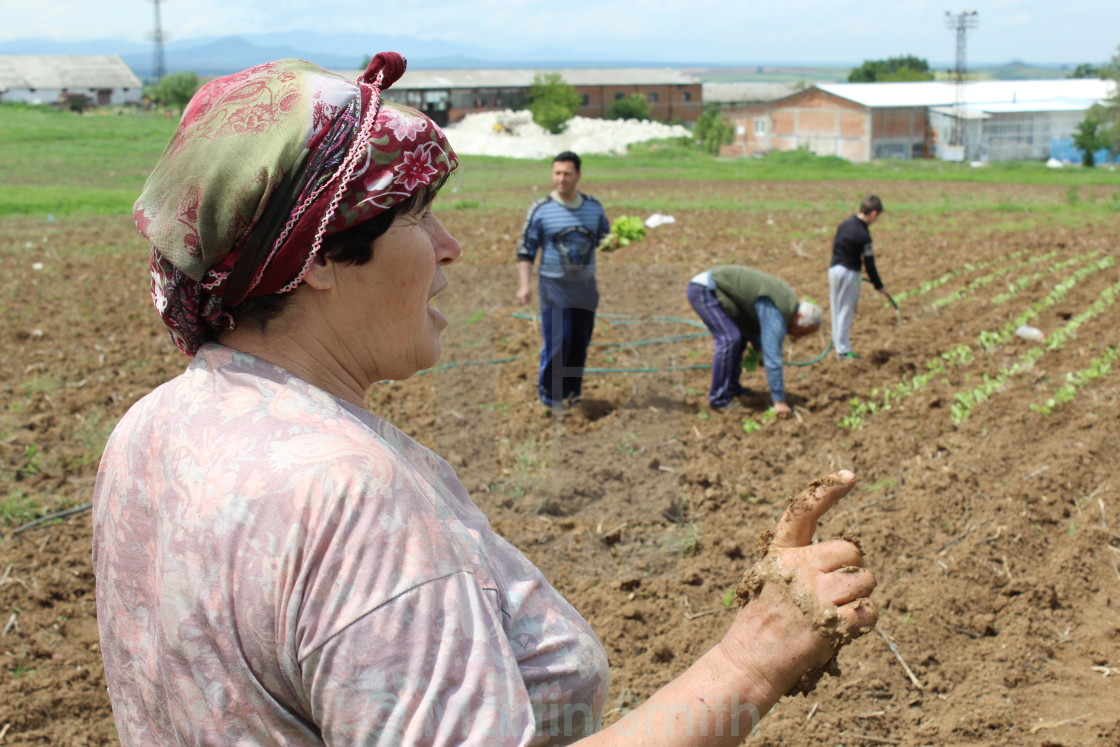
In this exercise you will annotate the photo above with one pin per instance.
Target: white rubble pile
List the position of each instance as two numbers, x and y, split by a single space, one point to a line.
515 135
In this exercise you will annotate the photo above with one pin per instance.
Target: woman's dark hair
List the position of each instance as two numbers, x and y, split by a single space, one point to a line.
353 246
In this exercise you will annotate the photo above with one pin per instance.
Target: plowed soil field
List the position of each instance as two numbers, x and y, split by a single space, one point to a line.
995 537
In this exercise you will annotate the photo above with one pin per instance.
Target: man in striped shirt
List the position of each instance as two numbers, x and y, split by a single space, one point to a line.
565 228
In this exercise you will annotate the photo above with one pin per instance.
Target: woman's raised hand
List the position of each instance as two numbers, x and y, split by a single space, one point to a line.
802 601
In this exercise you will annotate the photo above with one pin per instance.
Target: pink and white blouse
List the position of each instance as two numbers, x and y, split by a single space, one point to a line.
278 567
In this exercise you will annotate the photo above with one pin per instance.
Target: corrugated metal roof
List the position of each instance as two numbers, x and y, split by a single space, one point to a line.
978 93
65 71
746 93
434 79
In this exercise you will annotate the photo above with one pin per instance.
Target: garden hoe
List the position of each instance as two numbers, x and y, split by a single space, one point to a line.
897 312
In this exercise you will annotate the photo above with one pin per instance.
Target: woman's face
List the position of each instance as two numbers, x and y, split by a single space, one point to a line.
391 330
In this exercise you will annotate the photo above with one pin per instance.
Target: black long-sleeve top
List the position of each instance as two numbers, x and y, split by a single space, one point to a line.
852 246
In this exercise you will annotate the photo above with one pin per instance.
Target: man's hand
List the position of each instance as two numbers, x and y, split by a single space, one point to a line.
893 303
524 282
608 243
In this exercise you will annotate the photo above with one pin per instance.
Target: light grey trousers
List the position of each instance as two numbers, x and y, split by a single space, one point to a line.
843 298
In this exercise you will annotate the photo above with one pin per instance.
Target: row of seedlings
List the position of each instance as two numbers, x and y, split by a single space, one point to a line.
880 399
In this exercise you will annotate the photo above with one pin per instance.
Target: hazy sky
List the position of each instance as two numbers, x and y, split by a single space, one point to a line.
724 31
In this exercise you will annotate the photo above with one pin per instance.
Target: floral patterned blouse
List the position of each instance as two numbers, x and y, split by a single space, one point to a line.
278 567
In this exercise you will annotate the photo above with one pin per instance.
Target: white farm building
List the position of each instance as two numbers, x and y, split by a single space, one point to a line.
992 121
49 79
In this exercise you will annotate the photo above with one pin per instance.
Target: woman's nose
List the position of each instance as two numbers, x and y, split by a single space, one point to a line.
448 248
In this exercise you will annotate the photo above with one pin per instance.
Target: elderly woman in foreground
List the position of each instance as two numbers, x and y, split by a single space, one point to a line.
277 565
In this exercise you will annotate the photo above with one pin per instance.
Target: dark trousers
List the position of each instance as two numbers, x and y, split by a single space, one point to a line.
727 360
567 333
567 322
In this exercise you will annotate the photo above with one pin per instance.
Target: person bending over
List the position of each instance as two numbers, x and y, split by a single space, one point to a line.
742 306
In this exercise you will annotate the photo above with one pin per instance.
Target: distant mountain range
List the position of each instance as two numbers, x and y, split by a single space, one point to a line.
222 55
210 56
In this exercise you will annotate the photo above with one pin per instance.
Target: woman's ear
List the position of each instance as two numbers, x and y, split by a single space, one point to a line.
321 274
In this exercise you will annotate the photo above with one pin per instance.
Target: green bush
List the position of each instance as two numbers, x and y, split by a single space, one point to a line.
1088 137
892 69
176 89
552 101
633 106
712 130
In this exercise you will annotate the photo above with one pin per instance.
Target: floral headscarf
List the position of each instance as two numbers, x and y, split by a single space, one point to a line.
264 165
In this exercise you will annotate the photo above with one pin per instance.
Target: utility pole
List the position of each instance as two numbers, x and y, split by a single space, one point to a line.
159 37
961 23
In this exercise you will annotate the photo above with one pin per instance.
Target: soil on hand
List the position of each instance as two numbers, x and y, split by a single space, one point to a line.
995 539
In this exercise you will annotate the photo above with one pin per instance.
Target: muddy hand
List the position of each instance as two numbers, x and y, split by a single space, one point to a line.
825 581
799 522
836 566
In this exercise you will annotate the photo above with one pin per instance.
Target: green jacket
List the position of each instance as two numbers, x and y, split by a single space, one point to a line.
737 288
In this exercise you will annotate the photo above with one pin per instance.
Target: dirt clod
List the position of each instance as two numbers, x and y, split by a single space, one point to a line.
762 544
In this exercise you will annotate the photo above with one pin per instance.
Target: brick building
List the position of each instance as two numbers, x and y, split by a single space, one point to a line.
996 120
449 95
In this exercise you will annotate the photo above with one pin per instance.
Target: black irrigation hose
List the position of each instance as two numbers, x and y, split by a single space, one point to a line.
815 360
652 341
49 517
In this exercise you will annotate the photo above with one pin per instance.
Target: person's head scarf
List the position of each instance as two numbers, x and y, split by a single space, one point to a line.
264 165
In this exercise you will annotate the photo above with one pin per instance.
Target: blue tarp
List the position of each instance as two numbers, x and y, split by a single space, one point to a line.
1063 149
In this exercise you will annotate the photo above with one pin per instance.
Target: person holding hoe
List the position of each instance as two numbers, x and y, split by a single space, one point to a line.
740 305
852 250
277 565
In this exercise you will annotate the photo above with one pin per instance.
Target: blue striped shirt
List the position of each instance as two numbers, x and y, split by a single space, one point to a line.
565 238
